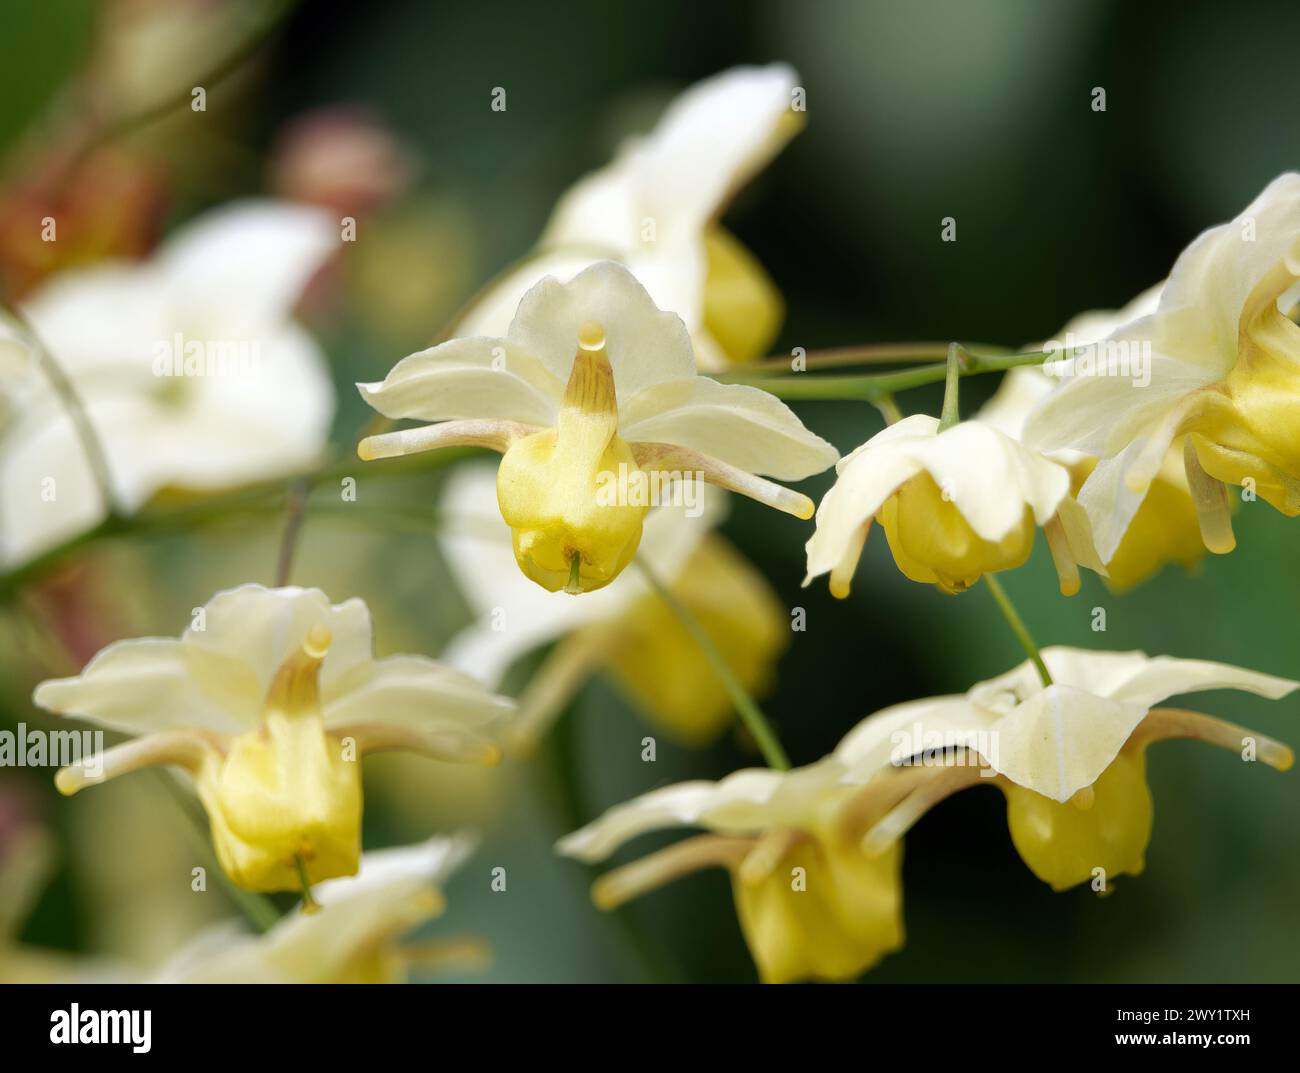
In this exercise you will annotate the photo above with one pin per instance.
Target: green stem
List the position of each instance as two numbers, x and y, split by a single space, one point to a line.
951 412
889 410
873 387
91 445
750 713
871 354
309 903
258 499
1018 627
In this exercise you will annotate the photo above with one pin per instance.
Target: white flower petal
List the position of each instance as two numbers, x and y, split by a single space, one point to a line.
153 684
740 425
414 692
261 627
241 267
739 803
394 891
1061 739
1164 677
645 344
469 378
991 478
709 142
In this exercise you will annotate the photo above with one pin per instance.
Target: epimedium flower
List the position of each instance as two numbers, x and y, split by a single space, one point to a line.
1224 377
954 504
190 369
356 935
810 902
1070 757
268 702
1165 528
813 899
594 402
625 629
655 209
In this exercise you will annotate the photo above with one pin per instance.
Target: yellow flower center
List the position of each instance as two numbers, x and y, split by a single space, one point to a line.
286 793
574 495
932 543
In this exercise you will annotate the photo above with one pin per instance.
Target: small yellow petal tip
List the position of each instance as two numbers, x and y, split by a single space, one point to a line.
365 451
804 508
840 589
317 641
68 781
591 336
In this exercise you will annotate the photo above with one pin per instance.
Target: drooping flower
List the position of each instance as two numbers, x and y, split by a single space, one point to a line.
594 402
625 629
189 367
1070 757
268 702
655 209
955 504
1165 528
811 902
1224 376
356 935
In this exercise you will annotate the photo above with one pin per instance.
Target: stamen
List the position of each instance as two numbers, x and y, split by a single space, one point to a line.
667 458
1162 724
632 880
1211 499
185 749
842 572
768 852
458 952
1067 570
943 783
492 434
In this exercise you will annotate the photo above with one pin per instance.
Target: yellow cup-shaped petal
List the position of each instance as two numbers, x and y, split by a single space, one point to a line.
287 791
574 495
1107 829
932 543
826 911
661 665
743 309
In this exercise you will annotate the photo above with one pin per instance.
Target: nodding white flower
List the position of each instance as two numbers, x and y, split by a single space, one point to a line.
1070 757
625 629
189 366
268 702
593 399
1164 529
812 902
655 209
955 504
1224 376
354 937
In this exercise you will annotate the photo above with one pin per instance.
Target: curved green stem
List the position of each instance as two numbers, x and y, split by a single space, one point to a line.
1018 627
872 387
750 713
91 445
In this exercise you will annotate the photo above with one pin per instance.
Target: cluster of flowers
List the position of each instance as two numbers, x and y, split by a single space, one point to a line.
584 362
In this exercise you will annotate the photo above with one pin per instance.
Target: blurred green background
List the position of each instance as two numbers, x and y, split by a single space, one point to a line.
917 111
